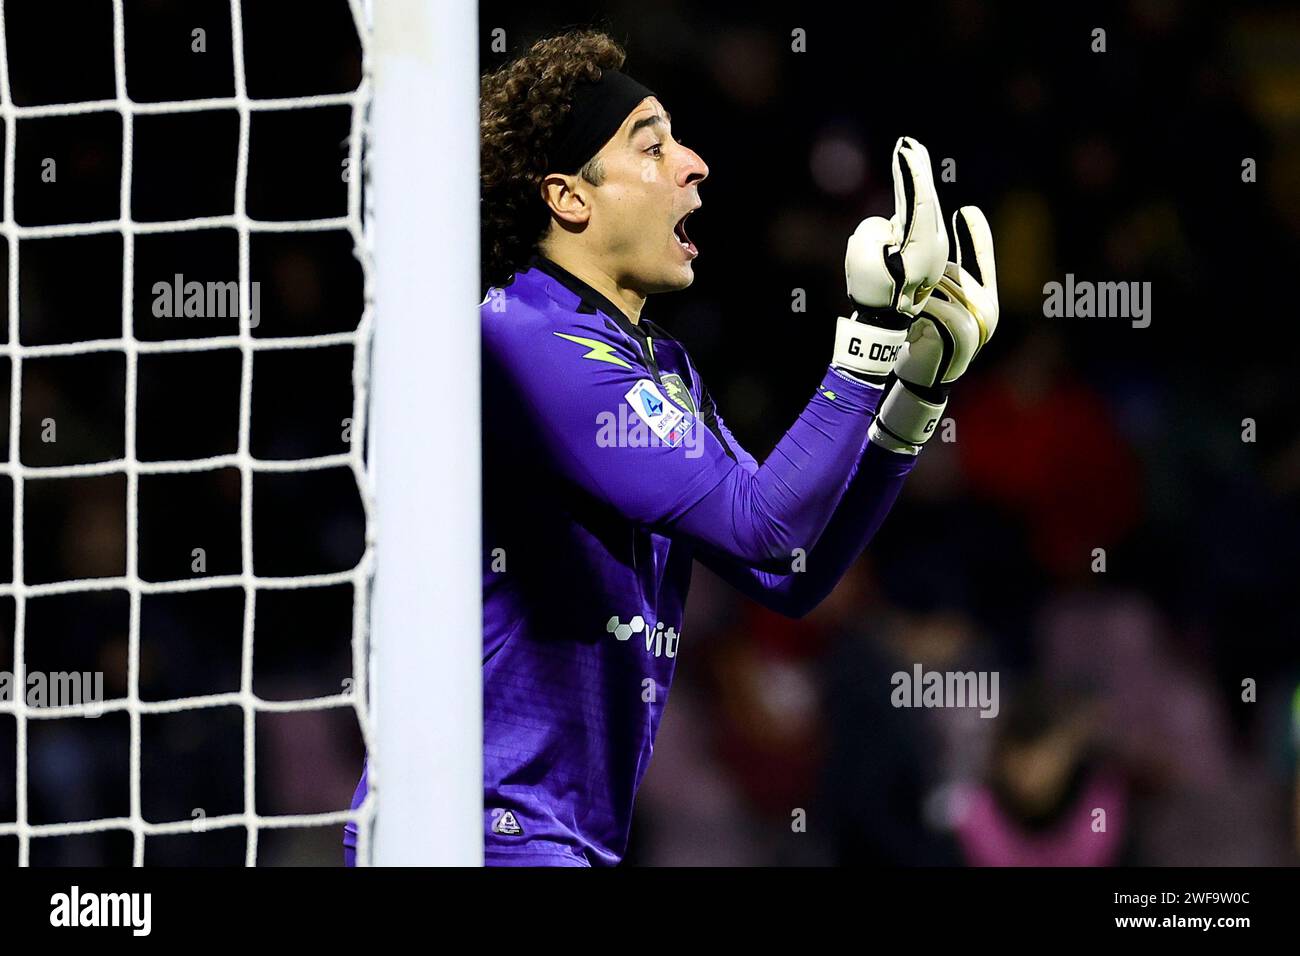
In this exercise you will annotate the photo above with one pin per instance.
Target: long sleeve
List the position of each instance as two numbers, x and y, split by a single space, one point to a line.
760 514
872 488
582 403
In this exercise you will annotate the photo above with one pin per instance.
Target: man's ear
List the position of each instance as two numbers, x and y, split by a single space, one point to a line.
565 197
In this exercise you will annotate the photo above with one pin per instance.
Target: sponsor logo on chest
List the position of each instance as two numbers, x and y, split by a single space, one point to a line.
660 640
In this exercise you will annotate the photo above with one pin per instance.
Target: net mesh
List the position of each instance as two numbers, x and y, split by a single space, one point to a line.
243 460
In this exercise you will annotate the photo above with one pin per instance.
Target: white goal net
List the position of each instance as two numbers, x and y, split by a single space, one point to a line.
231 319
202 620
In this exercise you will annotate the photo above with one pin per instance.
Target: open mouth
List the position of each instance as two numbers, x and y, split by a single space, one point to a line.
684 240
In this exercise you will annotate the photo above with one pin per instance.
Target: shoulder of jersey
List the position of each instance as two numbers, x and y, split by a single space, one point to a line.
514 307
524 318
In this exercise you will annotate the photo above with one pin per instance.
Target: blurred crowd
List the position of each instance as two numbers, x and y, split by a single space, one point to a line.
1107 532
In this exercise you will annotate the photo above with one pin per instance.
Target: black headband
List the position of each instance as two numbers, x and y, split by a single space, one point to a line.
598 111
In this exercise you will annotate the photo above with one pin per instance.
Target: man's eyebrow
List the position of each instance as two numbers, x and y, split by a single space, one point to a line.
649 121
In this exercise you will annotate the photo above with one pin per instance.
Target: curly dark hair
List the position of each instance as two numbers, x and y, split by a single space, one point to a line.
520 107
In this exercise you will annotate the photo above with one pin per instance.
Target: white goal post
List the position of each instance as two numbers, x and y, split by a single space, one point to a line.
428 625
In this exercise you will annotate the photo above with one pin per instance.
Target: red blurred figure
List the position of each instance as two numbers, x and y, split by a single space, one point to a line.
1043 444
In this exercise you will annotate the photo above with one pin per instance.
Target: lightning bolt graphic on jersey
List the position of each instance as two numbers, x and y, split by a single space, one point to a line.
600 351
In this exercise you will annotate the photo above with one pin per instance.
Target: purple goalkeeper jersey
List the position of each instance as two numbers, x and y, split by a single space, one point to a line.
607 471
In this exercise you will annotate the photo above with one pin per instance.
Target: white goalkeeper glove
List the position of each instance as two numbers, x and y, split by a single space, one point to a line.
955 322
890 268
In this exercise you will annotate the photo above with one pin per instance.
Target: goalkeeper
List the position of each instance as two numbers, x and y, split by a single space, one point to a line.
590 531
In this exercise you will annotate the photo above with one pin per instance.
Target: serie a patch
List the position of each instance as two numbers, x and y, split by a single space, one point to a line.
668 422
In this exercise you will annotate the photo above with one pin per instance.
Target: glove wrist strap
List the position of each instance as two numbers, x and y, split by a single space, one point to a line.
867 350
905 421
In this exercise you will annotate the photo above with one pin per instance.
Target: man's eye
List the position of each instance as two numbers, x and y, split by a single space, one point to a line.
656 150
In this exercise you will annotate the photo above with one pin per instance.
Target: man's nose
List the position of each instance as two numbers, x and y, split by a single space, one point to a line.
693 170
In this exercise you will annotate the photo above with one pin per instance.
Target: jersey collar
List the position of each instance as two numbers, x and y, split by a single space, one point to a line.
589 300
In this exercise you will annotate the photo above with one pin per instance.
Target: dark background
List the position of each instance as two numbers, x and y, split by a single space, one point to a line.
1119 689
